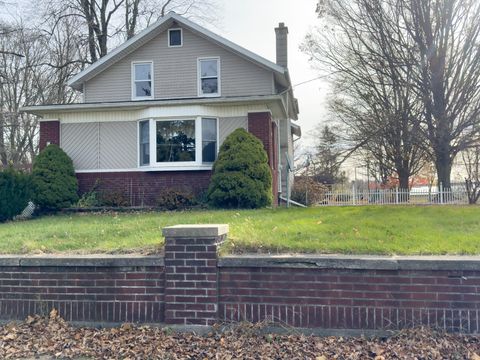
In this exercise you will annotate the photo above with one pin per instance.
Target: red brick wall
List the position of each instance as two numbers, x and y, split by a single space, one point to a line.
352 299
191 280
83 293
261 125
193 287
142 188
49 133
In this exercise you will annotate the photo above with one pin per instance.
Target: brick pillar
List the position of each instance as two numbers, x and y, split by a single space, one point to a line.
191 273
261 125
49 133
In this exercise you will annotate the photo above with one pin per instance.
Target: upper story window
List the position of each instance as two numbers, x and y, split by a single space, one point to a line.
142 80
175 38
209 77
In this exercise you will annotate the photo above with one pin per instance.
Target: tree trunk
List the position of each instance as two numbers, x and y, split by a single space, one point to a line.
443 164
403 179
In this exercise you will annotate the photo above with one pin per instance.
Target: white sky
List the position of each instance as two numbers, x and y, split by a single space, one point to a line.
251 23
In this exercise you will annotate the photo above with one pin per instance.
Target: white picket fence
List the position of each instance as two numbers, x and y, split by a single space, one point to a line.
457 194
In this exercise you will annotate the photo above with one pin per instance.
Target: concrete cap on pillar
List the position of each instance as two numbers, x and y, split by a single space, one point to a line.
195 231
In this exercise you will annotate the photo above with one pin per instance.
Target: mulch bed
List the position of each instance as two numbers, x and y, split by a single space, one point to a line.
52 337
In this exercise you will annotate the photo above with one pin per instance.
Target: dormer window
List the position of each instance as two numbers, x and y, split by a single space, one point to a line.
142 80
209 76
175 38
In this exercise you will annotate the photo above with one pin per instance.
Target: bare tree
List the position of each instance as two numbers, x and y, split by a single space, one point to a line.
34 66
113 21
425 53
471 161
373 97
446 39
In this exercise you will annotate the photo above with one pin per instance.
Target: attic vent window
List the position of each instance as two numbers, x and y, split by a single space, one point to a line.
175 37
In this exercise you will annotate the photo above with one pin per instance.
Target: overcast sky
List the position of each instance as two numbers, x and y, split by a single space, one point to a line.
251 23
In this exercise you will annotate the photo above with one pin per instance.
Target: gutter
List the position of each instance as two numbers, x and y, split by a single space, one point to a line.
39 109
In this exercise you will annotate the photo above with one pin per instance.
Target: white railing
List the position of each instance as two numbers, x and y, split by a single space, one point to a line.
457 194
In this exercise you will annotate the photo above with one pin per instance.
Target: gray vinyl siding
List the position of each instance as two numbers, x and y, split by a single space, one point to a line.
175 71
80 142
227 125
111 145
118 145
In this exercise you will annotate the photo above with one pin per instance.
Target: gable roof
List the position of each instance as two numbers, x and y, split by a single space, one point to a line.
161 25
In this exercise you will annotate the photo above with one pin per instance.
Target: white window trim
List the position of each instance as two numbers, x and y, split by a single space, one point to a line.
181 38
134 95
198 164
199 77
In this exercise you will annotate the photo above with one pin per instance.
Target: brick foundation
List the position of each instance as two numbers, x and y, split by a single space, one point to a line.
49 133
142 188
192 286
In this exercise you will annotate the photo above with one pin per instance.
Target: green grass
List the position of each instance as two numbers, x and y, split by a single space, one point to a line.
348 230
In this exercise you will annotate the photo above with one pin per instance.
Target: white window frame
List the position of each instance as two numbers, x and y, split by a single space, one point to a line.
134 94
177 165
199 76
181 38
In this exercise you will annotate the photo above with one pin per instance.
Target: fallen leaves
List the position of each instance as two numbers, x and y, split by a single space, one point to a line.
52 337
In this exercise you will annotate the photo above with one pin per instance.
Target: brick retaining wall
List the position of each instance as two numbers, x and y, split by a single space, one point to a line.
83 289
339 298
192 286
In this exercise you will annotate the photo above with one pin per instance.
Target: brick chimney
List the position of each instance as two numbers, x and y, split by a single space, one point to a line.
281 33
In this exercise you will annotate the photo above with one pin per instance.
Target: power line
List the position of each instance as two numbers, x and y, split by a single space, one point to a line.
308 81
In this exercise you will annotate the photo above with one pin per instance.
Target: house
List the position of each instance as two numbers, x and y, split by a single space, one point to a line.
156 109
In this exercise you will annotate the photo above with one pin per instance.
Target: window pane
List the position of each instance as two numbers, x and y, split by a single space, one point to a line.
175 140
143 71
209 68
209 140
143 88
144 143
209 129
209 86
175 37
209 151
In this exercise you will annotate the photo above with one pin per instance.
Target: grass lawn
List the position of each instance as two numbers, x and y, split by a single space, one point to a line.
348 230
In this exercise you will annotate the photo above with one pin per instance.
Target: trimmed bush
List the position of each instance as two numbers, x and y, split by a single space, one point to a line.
15 193
241 175
54 180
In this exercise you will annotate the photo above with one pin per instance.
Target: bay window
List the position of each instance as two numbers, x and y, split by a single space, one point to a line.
190 142
209 140
144 136
175 140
